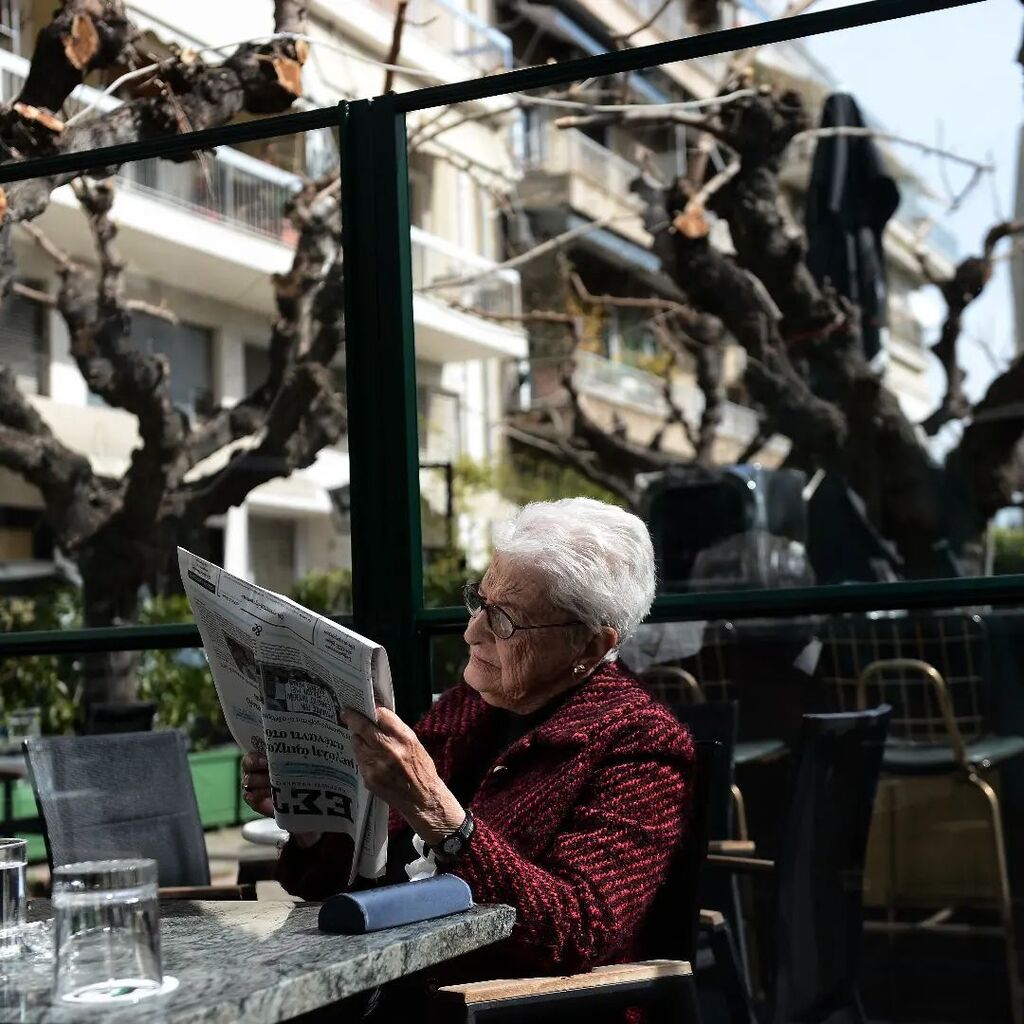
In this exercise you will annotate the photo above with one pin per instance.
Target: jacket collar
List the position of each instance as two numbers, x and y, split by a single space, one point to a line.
572 724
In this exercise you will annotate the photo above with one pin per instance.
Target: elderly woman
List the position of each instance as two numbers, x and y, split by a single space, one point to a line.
548 779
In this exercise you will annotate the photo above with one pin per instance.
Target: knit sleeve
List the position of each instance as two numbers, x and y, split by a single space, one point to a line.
585 898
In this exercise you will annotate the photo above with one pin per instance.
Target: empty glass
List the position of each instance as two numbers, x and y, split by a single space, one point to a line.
23 724
13 858
106 931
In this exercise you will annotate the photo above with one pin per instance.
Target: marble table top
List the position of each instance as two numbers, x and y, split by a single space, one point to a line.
258 962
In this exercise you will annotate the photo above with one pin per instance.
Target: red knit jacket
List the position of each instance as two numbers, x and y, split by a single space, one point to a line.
576 823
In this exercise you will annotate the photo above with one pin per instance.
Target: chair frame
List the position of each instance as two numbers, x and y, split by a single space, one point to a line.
665 987
747 939
969 773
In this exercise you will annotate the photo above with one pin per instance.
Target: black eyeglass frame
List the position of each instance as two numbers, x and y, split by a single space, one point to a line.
471 595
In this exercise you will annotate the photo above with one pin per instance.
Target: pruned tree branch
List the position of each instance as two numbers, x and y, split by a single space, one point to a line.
959 291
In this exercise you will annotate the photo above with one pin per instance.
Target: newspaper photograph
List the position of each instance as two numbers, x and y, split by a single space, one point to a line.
284 675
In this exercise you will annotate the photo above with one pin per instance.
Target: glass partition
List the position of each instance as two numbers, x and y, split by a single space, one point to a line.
173 343
724 294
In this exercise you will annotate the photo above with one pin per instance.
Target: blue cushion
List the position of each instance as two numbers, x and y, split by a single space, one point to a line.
937 759
354 913
750 751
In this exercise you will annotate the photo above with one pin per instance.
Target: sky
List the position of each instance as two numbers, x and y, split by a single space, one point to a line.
949 76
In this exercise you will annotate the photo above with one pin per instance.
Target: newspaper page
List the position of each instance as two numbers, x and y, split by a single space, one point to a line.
284 675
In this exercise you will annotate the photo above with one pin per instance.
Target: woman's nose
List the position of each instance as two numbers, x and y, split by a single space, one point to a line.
477 631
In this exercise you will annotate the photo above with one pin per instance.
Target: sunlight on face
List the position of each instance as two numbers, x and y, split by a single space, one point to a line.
524 672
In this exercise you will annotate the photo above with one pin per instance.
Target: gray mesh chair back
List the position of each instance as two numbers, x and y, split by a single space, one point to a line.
120 795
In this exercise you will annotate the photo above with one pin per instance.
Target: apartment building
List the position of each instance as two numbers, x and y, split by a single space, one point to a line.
204 238
576 176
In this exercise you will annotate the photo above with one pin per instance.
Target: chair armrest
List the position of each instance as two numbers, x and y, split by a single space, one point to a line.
750 865
600 977
711 919
732 847
207 892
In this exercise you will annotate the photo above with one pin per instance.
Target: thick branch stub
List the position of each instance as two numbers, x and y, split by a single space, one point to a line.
84 35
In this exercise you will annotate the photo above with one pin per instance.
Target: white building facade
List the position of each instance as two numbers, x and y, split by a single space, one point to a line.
204 238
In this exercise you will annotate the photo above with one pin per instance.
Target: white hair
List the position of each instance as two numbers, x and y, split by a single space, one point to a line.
597 558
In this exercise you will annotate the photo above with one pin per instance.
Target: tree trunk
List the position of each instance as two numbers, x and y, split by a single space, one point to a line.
108 676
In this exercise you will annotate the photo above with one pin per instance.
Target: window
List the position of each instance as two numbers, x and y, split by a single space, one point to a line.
421 190
257 366
24 535
272 545
23 340
189 350
10 25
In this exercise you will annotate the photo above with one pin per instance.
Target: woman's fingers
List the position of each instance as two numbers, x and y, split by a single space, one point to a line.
256 783
261 801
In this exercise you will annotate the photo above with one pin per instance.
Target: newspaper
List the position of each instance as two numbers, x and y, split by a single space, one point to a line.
284 675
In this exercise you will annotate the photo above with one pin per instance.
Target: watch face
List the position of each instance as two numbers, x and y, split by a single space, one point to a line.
451 845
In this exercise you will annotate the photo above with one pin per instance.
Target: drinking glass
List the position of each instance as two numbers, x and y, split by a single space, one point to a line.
22 724
13 858
106 932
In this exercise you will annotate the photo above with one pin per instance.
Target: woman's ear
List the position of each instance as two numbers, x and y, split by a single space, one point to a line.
599 644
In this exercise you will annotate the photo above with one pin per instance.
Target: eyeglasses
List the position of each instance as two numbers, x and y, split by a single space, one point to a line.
499 621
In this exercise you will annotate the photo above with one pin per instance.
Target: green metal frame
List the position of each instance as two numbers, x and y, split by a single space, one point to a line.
381 363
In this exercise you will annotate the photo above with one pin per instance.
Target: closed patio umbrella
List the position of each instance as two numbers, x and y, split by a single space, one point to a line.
850 198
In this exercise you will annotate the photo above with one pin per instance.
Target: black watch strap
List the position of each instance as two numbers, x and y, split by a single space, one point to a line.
455 842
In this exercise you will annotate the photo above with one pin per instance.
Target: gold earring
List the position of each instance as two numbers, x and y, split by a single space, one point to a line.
577 669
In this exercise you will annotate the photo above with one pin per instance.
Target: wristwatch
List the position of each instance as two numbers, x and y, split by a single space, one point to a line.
455 842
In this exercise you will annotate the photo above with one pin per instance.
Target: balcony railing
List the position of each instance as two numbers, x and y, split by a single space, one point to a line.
569 151
434 259
626 385
619 382
228 186
455 31
250 194
671 21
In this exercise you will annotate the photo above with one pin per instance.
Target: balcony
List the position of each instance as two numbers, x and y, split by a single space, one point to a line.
240 192
568 167
435 260
638 398
454 31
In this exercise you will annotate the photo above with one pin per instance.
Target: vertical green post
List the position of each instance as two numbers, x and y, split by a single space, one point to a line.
387 560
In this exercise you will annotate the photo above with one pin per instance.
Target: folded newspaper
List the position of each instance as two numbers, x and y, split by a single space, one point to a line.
284 675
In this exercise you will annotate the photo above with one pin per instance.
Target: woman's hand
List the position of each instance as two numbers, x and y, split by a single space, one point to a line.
396 767
256 784
256 792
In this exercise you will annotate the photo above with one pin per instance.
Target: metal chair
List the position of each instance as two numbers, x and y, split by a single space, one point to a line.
934 670
124 795
676 688
930 742
664 987
818 875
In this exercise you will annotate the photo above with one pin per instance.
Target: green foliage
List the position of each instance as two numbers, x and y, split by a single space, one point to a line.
1008 554
522 478
180 681
45 681
329 593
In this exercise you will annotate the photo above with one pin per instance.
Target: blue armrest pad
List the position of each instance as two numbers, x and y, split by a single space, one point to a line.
354 913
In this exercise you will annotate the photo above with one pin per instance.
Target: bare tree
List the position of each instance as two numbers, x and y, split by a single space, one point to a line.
806 373
120 530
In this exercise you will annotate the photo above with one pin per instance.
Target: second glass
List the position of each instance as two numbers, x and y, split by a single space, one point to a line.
106 932
13 858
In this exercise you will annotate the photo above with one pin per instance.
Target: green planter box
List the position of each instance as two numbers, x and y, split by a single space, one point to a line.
215 775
